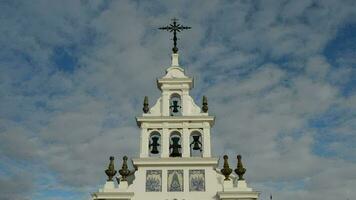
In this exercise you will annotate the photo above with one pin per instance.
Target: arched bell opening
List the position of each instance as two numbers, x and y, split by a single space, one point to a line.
154 146
175 105
175 146
196 145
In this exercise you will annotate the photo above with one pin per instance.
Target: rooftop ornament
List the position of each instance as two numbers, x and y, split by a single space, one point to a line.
111 172
205 107
146 107
174 27
226 170
124 171
240 170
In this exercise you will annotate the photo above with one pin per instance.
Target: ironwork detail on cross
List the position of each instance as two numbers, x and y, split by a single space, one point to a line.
174 27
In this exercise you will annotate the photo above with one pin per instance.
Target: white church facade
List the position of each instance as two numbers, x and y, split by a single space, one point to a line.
175 159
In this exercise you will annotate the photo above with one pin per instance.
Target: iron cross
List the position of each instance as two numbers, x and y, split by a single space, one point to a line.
174 27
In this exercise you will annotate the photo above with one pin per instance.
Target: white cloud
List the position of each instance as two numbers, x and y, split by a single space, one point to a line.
266 79
317 67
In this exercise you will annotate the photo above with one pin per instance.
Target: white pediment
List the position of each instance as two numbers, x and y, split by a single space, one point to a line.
175 72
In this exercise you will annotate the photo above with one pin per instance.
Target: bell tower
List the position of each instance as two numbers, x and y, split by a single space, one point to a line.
175 126
175 160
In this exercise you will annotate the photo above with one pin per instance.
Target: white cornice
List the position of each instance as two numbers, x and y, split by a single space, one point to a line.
112 195
160 119
175 81
238 195
192 161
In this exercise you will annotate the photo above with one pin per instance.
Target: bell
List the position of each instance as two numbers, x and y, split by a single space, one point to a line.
154 145
175 146
196 143
175 106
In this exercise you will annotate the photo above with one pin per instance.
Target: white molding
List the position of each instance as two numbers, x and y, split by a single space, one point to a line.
112 195
190 161
172 119
238 195
179 125
178 83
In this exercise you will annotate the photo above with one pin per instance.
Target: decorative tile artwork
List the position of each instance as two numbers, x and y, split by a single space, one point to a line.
197 180
153 181
175 181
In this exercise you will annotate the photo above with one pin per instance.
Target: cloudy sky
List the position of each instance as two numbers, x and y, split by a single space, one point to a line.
279 76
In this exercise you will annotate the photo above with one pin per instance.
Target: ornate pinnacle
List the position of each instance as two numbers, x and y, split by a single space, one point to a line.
124 171
174 27
110 172
240 170
146 108
226 170
205 104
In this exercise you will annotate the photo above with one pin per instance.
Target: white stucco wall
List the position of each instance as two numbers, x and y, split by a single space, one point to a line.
138 187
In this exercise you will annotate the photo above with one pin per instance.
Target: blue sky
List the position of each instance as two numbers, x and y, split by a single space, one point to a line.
279 75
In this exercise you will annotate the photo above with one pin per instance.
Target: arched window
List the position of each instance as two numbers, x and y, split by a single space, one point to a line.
175 147
155 143
175 105
196 145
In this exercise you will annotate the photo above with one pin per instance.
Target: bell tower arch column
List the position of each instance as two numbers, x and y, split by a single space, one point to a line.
165 103
206 140
144 141
185 142
165 141
185 101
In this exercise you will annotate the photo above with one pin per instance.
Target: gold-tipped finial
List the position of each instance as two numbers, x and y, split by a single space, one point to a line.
205 107
124 171
146 108
110 172
226 170
240 170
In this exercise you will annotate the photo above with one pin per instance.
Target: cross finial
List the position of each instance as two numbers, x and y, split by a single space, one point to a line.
174 27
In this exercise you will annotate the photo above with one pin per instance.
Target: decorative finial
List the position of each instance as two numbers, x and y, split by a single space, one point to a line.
124 171
240 170
205 107
174 27
226 170
110 172
146 108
